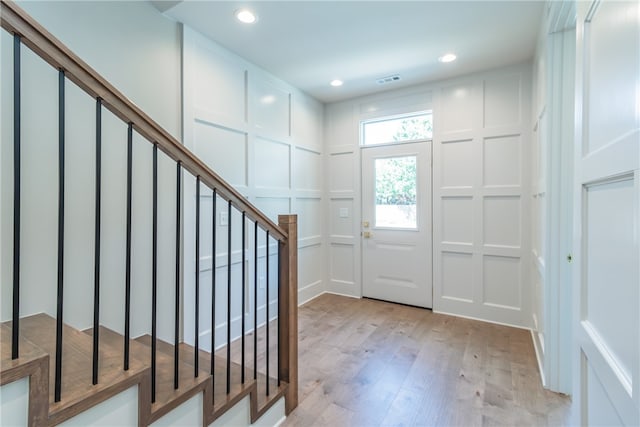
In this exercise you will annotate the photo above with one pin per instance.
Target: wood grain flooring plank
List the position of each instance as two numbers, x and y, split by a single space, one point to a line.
372 363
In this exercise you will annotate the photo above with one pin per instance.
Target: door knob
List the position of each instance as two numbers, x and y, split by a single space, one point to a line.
367 234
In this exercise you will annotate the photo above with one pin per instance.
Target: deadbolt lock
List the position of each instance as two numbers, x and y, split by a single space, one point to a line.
365 224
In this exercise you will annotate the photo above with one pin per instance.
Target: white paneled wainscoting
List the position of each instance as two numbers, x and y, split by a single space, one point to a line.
481 214
265 138
481 185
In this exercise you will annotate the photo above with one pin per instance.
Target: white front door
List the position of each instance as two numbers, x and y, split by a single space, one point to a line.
607 214
396 223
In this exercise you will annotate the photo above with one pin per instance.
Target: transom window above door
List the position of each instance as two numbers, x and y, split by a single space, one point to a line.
416 126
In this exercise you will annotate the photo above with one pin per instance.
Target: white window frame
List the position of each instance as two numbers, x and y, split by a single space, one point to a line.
408 115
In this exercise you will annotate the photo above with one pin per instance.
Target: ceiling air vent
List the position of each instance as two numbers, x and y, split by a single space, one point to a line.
388 79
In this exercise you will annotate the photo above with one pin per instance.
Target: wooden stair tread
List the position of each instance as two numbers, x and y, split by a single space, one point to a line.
37 345
78 393
11 370
221 400
167 398
265 402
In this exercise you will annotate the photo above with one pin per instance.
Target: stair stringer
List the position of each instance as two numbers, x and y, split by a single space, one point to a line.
34 365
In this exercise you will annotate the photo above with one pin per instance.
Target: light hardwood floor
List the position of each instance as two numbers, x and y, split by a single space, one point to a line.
372 363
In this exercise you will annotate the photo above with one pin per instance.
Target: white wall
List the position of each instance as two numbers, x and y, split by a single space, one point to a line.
14 403
138 50
538 189
265 138
481 202
134 47
481 140
120 410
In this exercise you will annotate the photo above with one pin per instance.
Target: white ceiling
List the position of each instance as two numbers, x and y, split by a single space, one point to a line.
309 43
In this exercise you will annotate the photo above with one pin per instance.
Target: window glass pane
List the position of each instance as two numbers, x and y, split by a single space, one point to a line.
397 129
395 196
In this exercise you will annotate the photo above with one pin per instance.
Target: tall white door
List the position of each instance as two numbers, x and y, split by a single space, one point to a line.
396 223
607 214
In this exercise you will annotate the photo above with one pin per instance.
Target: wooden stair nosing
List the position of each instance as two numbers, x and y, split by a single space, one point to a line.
37 359
14 369
260 403
186 355
217 400
82 404
264 402
78 392
167 398
32 363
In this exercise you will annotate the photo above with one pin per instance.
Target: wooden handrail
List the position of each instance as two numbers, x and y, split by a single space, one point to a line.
37 38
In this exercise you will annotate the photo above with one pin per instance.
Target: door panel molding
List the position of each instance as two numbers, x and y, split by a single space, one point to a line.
482 161
606 228
396 262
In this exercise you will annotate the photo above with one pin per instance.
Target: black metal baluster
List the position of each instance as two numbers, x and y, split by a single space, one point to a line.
255 301
96 250
154 276
176 324
196 357
229 300
267 310
213 286
244 226
60 296
15 324
127 290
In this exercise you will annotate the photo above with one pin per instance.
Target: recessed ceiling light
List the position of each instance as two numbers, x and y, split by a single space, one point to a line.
336 83
246 16
447 57
268 99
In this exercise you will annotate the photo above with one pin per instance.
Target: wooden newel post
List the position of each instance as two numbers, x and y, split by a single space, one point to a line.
288 309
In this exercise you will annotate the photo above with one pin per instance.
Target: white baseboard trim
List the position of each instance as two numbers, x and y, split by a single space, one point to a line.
300 304
280 421
538 347
343 294
328 293
310 292
340 287
481 320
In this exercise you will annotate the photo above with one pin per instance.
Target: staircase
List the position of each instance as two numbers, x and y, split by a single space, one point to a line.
71 370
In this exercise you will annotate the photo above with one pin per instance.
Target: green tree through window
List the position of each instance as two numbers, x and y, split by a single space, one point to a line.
396 181
414 128
410 127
